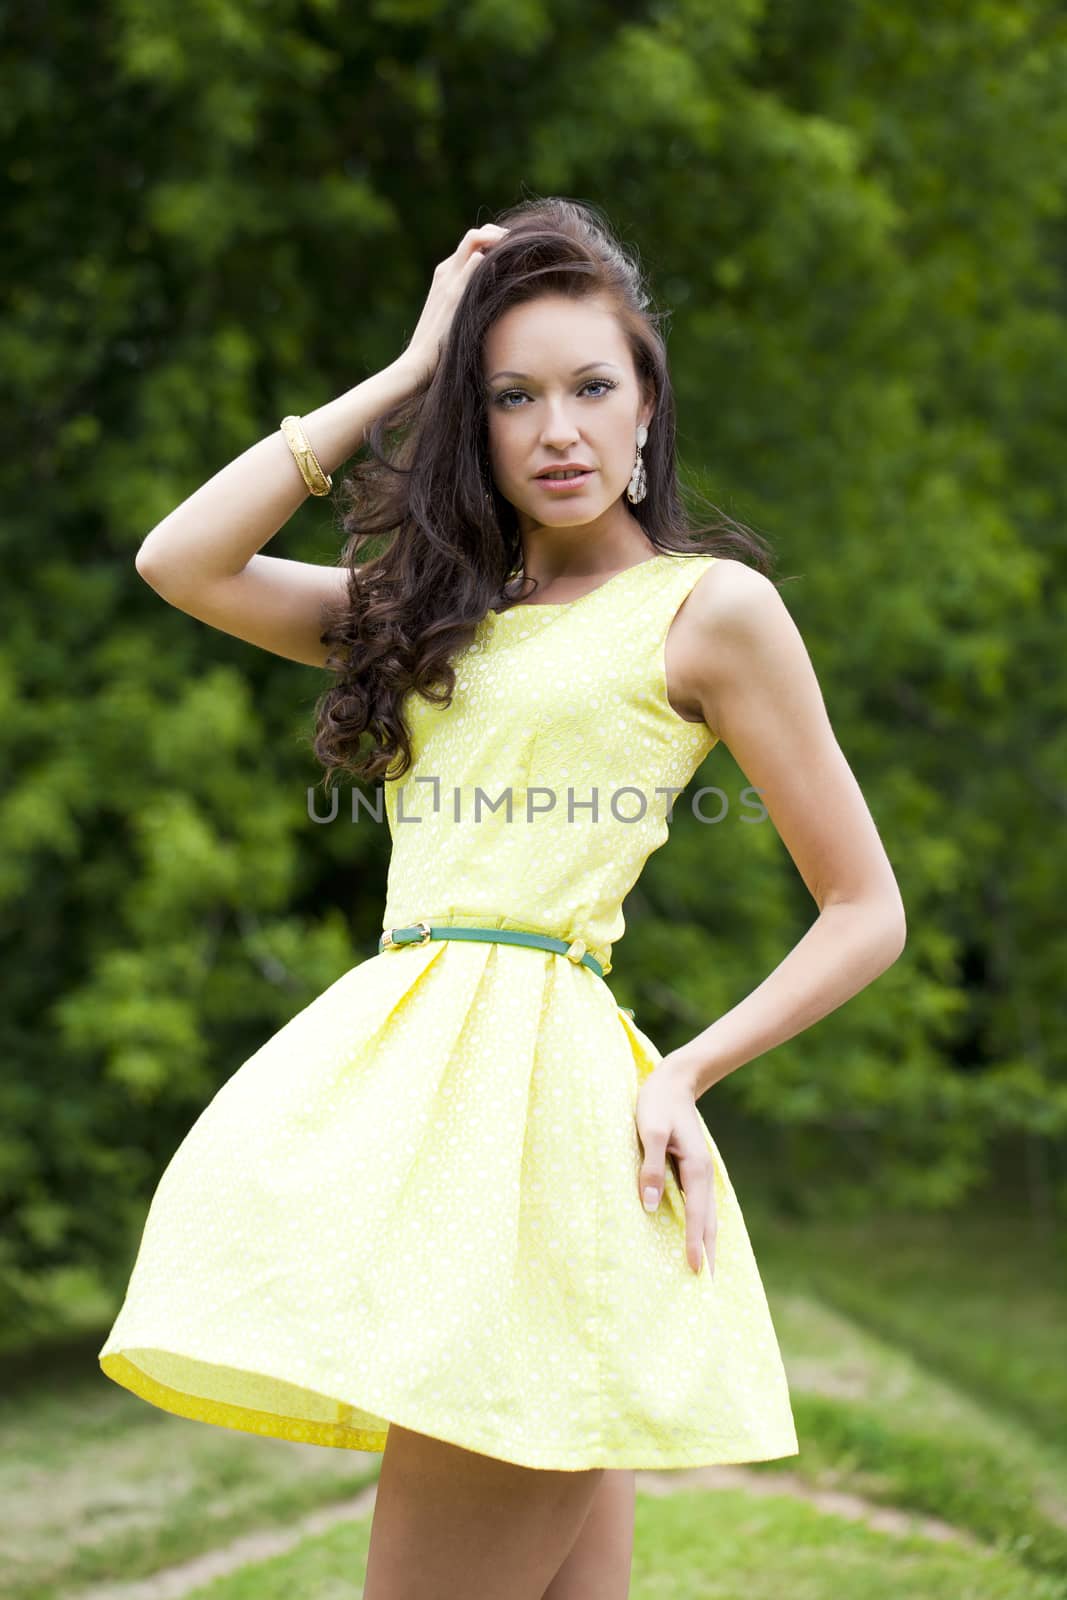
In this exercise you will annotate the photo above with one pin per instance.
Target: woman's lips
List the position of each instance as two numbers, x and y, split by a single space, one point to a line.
558 484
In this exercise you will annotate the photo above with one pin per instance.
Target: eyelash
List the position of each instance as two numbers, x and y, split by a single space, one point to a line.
607 383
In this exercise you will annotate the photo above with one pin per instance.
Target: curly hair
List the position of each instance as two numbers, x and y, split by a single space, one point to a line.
453 539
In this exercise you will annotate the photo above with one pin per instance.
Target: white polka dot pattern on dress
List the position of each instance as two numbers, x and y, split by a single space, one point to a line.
417 1202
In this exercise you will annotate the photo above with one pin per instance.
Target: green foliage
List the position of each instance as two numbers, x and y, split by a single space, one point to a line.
217 213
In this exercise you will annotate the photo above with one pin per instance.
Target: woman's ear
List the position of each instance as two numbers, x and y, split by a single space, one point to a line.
648 405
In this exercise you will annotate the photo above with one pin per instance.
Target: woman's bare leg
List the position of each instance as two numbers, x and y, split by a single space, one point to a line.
450 1523
598 1564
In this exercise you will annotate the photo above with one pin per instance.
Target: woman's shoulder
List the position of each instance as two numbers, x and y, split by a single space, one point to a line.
730 609
727 590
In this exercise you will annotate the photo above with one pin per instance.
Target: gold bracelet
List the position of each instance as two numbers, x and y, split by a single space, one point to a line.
318 482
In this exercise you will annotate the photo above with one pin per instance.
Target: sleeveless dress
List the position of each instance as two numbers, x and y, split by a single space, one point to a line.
417 1202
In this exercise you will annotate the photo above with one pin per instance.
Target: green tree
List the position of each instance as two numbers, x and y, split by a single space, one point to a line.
220 212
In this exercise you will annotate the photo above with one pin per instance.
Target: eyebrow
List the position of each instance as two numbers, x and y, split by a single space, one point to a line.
574 374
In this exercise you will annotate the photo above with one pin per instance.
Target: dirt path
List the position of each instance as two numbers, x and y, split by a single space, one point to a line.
175 1582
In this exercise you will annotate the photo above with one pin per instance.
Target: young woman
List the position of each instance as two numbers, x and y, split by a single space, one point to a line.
460 1209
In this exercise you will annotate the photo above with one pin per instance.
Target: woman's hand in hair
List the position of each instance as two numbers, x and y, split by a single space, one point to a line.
449 281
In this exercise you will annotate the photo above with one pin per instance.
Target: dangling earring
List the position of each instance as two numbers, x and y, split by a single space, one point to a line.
638 478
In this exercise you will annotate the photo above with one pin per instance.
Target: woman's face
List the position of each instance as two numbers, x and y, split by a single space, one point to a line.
554 413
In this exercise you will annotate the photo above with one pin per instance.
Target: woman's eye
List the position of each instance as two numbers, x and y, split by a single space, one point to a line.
593 383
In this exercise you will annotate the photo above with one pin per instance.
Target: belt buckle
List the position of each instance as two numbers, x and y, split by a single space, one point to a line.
388 942
576 950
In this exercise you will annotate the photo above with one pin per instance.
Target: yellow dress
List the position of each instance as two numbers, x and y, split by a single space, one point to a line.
417 1202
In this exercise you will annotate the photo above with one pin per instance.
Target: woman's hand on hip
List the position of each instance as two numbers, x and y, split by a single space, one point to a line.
669 1125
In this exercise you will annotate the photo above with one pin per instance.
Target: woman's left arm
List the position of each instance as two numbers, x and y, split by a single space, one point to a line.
747 667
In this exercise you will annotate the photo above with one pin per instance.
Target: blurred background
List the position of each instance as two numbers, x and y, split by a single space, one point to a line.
219 212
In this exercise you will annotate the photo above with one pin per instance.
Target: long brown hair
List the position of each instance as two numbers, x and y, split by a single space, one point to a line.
453 540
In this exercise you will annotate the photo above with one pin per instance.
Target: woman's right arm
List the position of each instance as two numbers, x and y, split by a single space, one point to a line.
203 557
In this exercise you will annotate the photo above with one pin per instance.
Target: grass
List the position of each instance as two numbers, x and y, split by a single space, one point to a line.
695 1546
96 1483
988 1317
923 1367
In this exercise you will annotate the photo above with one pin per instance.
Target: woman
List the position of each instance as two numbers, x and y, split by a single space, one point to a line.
458 1208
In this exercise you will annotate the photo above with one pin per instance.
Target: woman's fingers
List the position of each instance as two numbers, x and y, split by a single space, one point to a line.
711 1226
671 1129
475 238
650 1178
699 1198
696 1179
450 278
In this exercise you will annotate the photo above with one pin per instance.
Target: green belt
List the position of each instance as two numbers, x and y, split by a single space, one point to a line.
421 932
